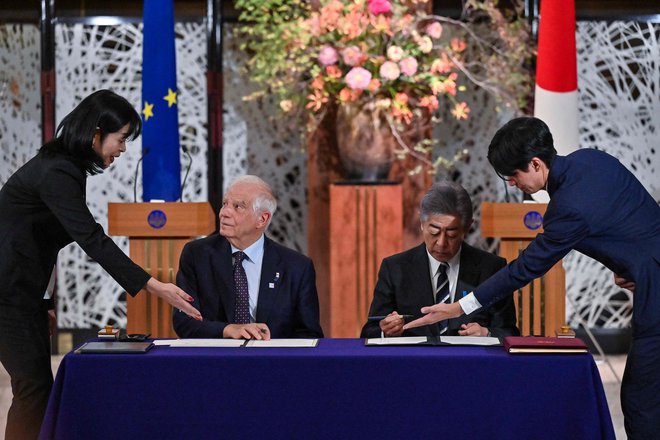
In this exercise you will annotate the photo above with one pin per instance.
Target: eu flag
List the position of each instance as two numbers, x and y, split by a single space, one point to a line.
161 168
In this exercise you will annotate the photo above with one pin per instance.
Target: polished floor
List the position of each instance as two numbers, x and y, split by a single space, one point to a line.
607 373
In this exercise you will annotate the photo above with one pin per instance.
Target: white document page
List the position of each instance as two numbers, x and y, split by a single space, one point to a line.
405 340
283 343
470 340
200 342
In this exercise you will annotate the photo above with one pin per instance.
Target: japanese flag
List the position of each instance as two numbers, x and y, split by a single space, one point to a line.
556 100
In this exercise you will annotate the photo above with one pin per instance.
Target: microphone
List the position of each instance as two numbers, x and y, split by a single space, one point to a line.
190 160
506 191
145 151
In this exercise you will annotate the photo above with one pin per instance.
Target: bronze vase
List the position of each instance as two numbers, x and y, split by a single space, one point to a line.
365 142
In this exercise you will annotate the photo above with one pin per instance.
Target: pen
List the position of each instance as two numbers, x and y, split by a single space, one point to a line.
379 318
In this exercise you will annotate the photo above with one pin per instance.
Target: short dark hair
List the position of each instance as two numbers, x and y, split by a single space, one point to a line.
104 110
447 198
517 142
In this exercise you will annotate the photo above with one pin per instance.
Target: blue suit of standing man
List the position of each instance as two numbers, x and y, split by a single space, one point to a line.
600 209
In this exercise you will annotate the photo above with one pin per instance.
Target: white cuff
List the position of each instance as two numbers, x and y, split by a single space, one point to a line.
469 303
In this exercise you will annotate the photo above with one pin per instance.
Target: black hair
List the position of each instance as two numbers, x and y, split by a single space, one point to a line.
517 142
447 198
103 110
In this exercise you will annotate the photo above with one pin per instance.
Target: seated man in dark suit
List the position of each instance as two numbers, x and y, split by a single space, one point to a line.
439 270
245 285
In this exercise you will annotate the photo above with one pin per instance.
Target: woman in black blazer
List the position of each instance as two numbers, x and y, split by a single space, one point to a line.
42 209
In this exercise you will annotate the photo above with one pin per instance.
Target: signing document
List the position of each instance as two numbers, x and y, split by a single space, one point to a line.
283 343
437 340
200 342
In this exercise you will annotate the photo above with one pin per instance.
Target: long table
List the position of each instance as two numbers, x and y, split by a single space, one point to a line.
338 390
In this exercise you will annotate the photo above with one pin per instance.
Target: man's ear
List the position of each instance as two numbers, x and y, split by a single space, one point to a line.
262 219
537 163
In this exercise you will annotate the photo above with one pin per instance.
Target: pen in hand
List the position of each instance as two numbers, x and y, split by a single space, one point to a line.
380 318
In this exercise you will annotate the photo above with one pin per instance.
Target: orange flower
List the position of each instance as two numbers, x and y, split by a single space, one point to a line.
381 23
318 83
460 111
374 85
401 113
430 102
442 65
316 100
348 95
344 95
333 71
401 98
458 45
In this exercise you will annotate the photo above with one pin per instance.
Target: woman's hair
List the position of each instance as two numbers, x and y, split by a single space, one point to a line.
103 110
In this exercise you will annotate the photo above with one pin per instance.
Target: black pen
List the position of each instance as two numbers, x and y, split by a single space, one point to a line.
380 318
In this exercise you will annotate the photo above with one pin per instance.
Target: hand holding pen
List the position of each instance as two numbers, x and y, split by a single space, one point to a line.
392 324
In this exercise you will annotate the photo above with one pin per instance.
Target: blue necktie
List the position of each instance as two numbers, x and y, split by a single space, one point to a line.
242 307
442 293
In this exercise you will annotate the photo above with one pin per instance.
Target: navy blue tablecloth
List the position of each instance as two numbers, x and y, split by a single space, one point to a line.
338 390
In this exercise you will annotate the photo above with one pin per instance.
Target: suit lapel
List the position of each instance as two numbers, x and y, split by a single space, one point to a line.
271 278
468 274
223 275
420 279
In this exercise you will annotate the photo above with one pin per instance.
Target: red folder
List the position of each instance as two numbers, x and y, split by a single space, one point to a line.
537 344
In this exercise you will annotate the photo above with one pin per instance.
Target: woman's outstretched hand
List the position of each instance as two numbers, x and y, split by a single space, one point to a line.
173 295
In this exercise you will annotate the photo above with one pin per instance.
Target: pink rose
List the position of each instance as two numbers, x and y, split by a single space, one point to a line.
351 55
434 30
389 71
358 78
379 6
328 56
408 66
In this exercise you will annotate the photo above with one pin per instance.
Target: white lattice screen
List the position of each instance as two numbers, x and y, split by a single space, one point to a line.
619 112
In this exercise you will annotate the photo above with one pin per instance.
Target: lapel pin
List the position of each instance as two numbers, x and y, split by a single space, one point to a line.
271 285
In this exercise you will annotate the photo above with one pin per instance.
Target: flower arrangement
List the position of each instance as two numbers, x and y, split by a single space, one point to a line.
388 54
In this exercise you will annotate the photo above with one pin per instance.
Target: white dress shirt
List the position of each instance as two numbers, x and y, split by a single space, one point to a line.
452 273
252 265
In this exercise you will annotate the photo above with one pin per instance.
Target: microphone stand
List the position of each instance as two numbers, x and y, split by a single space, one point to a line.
145 151
183 184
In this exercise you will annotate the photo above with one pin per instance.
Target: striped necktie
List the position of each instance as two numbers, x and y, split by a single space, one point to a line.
442 293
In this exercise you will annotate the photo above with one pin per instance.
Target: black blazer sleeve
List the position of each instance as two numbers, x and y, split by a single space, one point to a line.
383 303
62 189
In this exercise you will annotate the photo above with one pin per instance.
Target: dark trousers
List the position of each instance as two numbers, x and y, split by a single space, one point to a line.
25 354
640 389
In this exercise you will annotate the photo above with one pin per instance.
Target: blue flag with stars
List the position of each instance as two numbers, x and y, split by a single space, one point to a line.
161 166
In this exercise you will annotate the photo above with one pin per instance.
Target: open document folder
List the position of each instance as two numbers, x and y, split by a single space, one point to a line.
435 340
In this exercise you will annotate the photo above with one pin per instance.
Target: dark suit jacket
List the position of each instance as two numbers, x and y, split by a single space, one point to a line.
290 308
42 209
404 285
598 208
